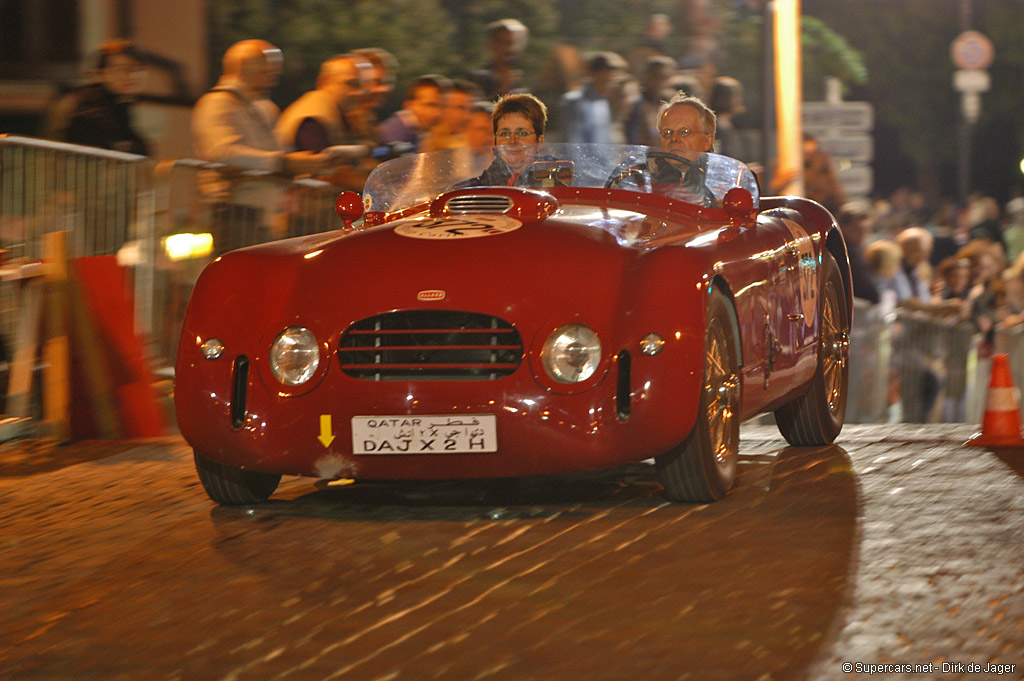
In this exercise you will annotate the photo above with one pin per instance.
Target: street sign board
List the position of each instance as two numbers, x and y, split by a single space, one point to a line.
972 50
857 180
821 117
859 147
970 80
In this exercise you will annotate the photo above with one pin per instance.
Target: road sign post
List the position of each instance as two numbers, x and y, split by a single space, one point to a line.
843 129
972 53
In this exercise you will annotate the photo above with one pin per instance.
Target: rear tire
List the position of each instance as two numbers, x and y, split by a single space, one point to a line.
703 468
816 417
234 486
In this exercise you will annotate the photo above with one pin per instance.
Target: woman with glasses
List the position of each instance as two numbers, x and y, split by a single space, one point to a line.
518 121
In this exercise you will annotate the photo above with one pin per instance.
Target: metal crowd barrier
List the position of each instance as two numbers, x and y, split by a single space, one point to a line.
167 221
910 367
157 218
100 198
221 209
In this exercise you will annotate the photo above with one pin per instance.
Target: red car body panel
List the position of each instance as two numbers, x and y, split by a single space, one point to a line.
558 268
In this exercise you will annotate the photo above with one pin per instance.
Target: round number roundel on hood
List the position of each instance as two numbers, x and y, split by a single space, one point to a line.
459 227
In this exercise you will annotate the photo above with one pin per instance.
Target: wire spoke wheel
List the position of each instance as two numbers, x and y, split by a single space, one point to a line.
835 351
816 417
703 467
721 389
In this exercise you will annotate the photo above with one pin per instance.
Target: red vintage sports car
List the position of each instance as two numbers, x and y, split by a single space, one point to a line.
590 319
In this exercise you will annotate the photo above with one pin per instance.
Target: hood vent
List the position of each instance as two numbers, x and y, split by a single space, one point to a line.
479 203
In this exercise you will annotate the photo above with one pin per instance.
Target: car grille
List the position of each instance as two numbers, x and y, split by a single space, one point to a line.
430 345
479 203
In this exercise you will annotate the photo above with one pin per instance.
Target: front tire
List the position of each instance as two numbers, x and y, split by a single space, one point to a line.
703 468
234 486
816 417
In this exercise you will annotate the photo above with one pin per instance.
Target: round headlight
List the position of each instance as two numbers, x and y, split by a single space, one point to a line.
294 355
571 353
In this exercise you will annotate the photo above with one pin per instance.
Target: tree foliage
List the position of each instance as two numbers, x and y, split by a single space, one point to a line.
906 46
893 53
825 53
426 36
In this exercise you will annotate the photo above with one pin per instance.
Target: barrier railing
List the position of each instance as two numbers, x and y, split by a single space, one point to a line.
235 209
164 221
911 367
99 197
167 221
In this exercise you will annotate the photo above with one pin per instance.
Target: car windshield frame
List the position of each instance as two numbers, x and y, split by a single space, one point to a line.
413 180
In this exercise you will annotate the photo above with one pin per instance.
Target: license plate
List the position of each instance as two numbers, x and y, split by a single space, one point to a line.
464 434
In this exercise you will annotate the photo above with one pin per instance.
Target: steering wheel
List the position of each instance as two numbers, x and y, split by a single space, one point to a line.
625 171
645 172
658 155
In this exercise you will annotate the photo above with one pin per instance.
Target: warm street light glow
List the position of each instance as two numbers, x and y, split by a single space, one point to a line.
788 95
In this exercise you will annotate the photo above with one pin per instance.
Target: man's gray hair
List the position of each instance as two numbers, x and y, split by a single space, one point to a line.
707 117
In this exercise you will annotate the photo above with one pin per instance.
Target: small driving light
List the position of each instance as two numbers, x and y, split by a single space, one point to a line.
184 246
212 348
294 355
571 353
652 344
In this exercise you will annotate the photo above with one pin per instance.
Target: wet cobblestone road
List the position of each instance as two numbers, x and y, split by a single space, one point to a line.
896 546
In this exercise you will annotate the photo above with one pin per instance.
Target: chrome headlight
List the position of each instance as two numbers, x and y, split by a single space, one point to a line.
571 353
294 355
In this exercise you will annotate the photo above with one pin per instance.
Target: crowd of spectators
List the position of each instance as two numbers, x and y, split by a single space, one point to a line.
955 264
955 276
961 265
341 129
599 97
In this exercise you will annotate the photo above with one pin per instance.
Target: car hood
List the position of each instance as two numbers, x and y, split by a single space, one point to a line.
553 264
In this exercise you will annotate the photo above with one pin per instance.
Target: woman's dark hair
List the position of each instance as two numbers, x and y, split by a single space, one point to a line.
525 105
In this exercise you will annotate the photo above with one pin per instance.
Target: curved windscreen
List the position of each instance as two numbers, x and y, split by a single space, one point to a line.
702 179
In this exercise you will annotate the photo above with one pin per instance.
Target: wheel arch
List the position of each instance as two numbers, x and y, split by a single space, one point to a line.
720 283
836 245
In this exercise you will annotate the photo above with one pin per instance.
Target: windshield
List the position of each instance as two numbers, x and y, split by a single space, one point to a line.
702 180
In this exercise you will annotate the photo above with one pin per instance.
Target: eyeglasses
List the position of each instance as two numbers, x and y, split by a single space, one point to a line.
669 133
506 135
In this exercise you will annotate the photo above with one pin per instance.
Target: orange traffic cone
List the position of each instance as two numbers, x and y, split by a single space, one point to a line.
1001 425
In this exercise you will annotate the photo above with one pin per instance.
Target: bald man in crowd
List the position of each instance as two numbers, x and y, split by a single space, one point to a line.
233 124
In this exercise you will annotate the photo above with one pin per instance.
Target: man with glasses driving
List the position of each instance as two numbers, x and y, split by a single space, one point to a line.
686 127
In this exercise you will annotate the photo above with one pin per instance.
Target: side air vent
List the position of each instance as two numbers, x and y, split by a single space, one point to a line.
479 203
623 392
239 388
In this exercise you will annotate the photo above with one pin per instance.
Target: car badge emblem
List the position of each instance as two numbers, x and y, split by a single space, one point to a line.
431 294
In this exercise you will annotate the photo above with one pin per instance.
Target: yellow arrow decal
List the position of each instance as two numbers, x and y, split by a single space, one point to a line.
325 436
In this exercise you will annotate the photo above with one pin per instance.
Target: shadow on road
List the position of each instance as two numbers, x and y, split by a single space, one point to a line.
1014 458
582 576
